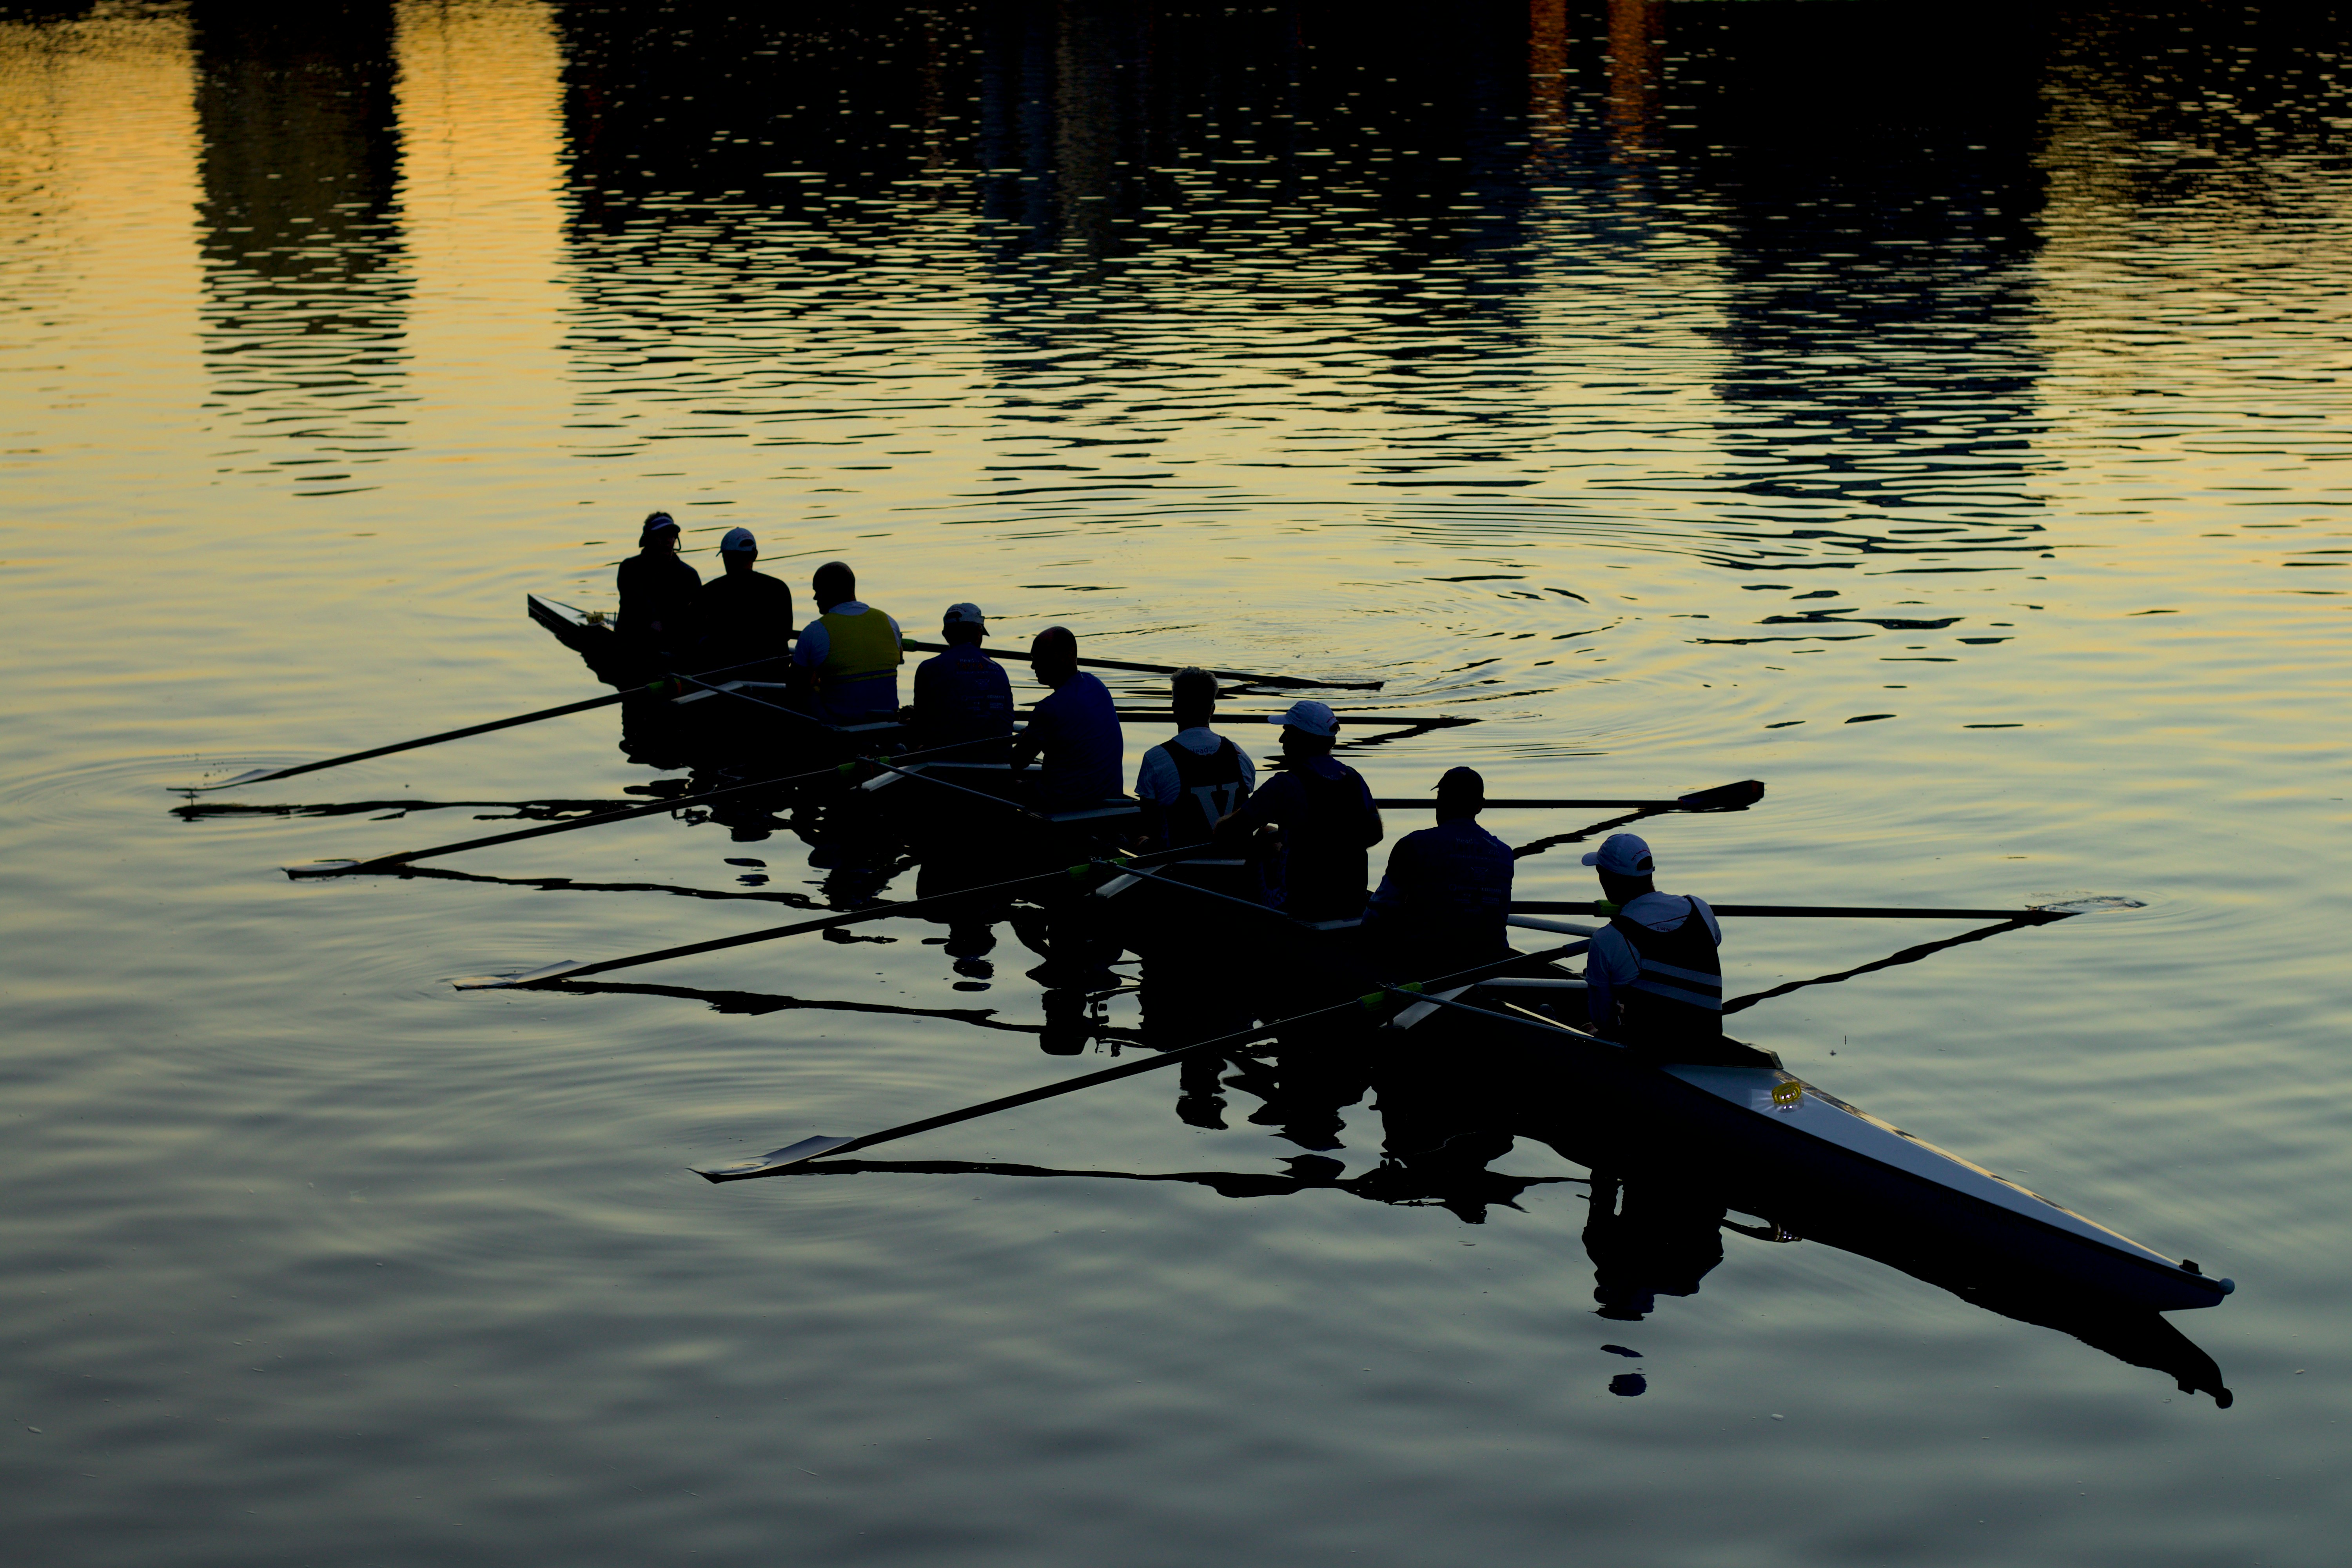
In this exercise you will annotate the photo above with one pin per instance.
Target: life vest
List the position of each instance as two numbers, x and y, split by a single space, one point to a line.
1323 860
1212 785
857 648
1678 997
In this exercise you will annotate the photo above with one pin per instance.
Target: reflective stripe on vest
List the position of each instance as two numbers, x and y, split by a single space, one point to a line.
858 647
1212 786
1670 962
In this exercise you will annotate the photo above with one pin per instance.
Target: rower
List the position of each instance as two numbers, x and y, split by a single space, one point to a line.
1443 903
1190 784
962 695
745 617
851 651
1321 816
657 591
1654 979
1076 729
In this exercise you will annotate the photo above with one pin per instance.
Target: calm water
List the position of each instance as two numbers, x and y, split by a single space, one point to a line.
1938 415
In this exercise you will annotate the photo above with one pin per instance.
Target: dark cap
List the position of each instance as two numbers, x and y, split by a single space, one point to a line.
1462 785
1054 642
656 524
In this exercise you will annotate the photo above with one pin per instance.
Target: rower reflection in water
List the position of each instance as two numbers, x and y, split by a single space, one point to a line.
851 652
1310 826
1648 1239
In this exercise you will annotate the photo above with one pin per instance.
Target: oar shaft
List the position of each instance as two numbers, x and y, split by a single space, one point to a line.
582 706
1236 675
1425 802
1813 911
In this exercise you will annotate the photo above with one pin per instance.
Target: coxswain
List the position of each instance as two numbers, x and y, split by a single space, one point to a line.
962 697
1321 819
1074 729
851 651
1443 903
1653 980
1190 784
657 592
745 617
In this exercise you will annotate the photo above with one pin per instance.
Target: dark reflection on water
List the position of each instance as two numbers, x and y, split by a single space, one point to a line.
306 275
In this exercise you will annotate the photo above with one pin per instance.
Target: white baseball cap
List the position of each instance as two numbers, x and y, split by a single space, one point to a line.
1623 855
740 539
1312 717
964 615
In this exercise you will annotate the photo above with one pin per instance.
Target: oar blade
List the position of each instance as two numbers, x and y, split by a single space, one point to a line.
1724 797
250 775
774 1159
505 982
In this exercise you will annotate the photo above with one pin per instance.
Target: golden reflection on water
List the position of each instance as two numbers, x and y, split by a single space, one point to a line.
481 178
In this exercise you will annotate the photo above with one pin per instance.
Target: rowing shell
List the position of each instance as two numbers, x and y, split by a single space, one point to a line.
1825 1168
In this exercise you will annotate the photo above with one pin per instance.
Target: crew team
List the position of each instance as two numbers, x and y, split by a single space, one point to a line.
1653 975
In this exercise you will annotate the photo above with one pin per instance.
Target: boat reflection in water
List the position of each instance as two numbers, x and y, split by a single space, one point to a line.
1454 1105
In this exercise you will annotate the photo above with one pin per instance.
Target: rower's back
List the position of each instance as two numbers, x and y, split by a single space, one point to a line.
963 700
851 651
1654 974
1189 783
656 592
744 616
1447 897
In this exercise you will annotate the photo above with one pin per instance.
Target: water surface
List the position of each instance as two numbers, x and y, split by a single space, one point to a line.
1939 415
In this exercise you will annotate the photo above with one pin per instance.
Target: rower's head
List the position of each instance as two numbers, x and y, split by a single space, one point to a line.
1054 654
1625 866
1309 730
1460 794
835 583
1192 692
658 534
963 626
738 550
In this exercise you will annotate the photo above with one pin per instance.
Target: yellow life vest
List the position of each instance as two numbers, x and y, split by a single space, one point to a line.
857 648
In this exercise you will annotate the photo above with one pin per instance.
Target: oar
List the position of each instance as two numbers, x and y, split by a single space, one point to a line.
810 1147
623 814
1367 720
264 775
1232 675
1722 798
1908 955
2037 916
570 971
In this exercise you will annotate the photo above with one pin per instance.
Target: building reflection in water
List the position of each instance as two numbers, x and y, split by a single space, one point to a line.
306 282
1636 64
